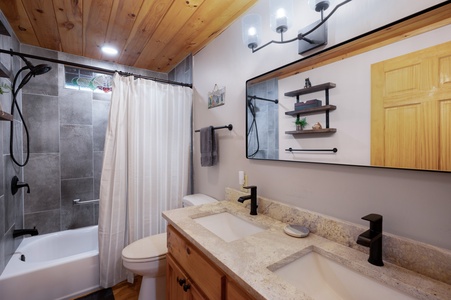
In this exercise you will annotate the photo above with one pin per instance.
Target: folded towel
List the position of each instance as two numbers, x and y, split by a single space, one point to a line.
208 147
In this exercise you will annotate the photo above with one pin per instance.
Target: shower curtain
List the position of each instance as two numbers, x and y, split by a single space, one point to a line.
145 166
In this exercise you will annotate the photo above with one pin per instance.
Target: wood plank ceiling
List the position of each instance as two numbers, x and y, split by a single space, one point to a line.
149 34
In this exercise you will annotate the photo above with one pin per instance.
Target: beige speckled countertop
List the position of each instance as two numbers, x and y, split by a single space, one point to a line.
250 259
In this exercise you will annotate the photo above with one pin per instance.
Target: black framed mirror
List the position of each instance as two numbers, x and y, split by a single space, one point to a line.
331 91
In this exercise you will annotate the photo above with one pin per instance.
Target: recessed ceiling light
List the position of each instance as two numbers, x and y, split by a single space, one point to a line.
109 50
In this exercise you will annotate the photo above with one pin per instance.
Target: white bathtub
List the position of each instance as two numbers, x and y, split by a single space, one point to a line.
58 265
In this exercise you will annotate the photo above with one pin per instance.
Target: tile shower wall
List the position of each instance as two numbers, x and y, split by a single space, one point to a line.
67 134
266 145
11 207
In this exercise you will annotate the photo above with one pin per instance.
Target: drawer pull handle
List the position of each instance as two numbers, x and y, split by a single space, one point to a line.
181 281
188 250
186 287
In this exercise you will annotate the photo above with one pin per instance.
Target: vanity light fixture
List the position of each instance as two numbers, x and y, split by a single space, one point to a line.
309 38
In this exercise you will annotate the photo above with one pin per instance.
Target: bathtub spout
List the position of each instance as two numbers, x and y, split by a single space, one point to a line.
20 232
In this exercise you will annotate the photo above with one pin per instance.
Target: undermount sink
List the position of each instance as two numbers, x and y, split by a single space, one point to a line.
228 227
322 278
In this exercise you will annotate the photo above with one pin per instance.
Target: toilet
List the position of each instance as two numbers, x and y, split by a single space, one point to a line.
147 257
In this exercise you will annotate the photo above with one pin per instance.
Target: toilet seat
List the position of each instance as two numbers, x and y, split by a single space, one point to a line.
147 249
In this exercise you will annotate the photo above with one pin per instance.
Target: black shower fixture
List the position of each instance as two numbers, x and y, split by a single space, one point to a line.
32 72
36 70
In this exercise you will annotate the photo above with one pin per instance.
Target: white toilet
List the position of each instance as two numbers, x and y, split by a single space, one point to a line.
147 257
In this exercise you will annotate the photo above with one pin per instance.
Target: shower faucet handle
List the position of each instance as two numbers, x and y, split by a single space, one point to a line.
16 185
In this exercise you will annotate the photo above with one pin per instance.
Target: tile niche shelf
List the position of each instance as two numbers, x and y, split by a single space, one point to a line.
308 111
4 116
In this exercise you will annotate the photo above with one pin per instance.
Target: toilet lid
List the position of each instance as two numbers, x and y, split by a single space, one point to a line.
146 248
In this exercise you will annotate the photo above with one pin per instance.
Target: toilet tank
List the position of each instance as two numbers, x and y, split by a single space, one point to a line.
197 199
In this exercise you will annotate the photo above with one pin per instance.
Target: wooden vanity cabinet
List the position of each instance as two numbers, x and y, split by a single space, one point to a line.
235 292
191 275
178 285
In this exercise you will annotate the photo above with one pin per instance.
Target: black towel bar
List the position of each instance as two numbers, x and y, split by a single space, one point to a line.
312 150
229 127
264 99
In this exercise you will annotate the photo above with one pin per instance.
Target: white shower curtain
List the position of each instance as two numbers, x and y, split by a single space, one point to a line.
145 166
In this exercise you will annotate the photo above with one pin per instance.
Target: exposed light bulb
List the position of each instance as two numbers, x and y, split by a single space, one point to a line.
251 30
281 20
281 13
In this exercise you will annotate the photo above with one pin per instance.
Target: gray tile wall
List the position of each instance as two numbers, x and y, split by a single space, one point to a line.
183 72
11 207
67 136
267 121
67 133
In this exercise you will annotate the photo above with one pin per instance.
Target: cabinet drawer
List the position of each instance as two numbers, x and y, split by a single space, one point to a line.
199 269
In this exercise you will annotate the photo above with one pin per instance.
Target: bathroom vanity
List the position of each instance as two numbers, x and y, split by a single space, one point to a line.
255 264
191 275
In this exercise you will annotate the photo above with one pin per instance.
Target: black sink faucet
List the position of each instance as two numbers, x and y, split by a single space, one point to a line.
373 238
20 232
252 197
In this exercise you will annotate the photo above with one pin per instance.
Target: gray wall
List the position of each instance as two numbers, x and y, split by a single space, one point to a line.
415 204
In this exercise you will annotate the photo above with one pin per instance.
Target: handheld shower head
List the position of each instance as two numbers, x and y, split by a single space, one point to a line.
36 70
40 69
33 71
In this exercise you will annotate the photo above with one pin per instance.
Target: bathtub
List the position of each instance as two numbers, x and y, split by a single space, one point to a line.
60 265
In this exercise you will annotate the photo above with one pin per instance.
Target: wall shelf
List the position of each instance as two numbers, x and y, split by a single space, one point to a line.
312 89
312 131
4 116
311 110
4 72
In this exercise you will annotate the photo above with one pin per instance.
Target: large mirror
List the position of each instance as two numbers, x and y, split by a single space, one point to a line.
336 91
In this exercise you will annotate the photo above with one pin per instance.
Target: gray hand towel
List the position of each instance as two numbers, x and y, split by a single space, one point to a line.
208 147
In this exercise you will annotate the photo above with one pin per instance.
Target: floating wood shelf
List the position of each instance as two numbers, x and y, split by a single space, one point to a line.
310 131
4 116
4 72
325 108
311 110
313 89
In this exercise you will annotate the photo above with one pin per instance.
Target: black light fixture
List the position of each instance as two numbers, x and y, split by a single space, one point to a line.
310 37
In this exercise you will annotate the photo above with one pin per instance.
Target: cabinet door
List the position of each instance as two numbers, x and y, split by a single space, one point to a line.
207 276
178 285
235 292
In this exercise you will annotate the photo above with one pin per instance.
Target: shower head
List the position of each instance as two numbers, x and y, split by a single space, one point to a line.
36 70
40 69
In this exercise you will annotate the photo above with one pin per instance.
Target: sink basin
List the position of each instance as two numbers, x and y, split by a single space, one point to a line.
322 278
227 226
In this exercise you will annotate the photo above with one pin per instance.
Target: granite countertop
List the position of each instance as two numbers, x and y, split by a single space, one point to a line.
249 260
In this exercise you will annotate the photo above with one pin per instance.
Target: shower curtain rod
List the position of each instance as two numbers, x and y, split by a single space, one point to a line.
96 69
